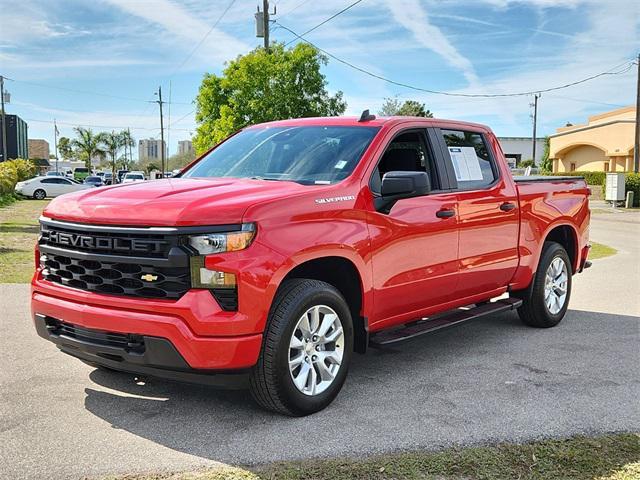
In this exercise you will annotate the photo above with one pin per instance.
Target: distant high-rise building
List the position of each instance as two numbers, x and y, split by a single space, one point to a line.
38 148
150 149
17 144
185 147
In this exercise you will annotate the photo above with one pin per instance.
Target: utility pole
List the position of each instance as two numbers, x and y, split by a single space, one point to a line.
4 122
129 145
55 142
262 23
160 102
636 147
536 96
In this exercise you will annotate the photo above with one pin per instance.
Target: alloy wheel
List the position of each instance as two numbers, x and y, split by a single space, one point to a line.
555 285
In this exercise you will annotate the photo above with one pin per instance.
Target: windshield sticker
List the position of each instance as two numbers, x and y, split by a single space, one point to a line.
341 164
346 198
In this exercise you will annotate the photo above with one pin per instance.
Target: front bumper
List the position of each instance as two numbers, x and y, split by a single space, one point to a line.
183 323
138 354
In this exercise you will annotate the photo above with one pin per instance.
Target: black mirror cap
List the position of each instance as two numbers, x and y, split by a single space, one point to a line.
405 184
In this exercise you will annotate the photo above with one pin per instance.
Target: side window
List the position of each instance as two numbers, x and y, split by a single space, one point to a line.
406 153
48 180
63 181
470 157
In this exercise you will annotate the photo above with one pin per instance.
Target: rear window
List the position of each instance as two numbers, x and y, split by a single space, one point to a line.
308 154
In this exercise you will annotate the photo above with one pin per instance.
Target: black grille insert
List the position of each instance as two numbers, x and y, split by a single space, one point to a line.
110 277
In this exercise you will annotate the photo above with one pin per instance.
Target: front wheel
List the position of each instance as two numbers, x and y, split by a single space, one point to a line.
551 289
39 194
306 349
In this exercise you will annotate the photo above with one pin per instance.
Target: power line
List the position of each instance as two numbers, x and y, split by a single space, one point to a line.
86 92
327 20
304 2
181 118
100 126
627 66
199 44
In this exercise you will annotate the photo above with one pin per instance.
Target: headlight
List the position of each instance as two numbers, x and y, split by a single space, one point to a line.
224 242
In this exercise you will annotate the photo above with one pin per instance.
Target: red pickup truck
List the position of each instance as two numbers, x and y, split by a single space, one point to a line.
292 244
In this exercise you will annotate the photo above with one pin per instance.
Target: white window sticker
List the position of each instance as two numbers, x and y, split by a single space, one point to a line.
341 164
465 163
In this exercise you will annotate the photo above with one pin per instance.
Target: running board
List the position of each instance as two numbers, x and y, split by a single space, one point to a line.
455 317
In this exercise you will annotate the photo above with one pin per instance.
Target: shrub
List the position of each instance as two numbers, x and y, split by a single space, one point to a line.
527 163
632 184
592 178
14 171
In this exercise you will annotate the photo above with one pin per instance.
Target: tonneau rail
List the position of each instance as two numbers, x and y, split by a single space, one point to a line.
545 178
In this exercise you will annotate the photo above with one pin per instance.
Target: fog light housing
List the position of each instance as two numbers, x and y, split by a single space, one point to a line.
202 277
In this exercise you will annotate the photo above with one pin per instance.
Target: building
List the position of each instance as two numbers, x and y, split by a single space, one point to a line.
185 147
38 148
604 143
17 145
151 149
42 165
519 149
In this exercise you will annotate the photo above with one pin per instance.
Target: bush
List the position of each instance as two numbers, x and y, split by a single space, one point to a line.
592 178
527 163
632 184
14 171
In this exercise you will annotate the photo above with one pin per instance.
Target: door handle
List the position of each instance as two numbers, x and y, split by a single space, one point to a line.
445 213
507 206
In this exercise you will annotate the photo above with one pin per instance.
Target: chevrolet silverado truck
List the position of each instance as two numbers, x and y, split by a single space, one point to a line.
273 257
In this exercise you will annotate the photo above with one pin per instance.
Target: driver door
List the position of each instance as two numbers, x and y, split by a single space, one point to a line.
415 245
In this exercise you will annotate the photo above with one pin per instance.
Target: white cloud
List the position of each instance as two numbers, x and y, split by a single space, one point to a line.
411 15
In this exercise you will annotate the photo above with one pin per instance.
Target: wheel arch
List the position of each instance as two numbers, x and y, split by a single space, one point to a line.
343 274
566 235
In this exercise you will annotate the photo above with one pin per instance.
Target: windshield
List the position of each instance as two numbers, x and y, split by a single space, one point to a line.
308 155
133 176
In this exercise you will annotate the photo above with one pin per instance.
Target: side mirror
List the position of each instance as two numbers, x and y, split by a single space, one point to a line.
399 185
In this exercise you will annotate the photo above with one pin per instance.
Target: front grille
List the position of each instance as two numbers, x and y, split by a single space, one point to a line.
116 278
129 342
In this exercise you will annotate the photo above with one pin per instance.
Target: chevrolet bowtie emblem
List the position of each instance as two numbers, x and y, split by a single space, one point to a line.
148 277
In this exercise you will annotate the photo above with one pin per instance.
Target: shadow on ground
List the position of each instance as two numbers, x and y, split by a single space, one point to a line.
489 380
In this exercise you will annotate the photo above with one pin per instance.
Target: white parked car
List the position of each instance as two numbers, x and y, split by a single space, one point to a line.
133 177
43 187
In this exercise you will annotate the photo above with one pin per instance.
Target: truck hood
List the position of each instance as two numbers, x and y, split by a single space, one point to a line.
169 202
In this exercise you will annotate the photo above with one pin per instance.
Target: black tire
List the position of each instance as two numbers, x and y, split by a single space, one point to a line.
39 194
271 384
534 311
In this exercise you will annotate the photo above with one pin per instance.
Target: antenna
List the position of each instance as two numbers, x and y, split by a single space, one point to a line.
366 116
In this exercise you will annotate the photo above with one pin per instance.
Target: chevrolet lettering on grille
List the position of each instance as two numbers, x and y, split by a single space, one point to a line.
104 243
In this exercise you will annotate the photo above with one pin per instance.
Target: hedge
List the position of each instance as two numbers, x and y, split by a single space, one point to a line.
14 171
632 181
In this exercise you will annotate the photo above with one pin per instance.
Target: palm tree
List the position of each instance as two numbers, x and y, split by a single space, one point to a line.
88 145
113 142
128 142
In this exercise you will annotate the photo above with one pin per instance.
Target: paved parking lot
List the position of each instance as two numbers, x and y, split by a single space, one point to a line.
490 380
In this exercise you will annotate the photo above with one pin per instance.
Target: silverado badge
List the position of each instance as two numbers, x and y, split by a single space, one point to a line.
147 277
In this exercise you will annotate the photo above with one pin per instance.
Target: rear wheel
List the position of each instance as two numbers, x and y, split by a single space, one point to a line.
39 194
306 350
551 289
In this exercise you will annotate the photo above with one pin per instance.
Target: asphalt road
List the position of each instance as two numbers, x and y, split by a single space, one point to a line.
489 380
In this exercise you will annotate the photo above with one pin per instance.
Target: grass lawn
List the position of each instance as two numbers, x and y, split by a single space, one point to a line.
18 236
598 250
609 457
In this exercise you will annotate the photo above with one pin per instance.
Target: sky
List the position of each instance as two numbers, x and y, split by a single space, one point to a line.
98 63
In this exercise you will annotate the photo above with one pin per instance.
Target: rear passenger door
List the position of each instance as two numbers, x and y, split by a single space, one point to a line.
488 214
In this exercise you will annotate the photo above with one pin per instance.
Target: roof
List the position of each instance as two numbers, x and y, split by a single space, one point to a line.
354 121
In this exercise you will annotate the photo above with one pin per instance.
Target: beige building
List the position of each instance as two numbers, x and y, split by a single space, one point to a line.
185 147
151 149
38 148
604 143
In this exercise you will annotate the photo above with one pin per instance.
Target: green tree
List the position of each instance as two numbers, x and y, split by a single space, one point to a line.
65 148
87 145
390 107
412 108
546 165
179 160
150 167
260 87
113 143
128 142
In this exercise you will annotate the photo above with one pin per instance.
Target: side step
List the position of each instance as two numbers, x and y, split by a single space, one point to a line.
455 317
